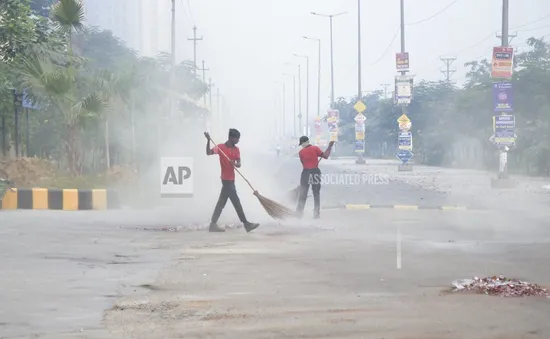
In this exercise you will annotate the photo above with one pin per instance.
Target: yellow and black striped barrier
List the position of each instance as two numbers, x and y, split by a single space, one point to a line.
59 199
411 207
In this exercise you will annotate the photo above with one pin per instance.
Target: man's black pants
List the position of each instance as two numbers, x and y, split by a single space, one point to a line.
229 191
310 177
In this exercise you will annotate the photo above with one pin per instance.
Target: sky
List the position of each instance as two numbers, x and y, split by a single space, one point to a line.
246 44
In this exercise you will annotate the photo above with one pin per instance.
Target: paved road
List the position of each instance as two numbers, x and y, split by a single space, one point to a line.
335 278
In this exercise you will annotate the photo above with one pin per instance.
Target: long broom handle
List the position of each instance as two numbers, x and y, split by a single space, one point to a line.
236 169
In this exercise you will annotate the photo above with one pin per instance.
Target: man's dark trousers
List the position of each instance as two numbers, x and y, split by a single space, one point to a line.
229 191
310 177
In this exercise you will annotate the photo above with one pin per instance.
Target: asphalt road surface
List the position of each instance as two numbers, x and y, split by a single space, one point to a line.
381 273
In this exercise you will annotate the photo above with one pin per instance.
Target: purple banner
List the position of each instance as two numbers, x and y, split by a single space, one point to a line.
502 97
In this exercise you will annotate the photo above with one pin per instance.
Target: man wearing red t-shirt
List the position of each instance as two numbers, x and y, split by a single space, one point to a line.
311 175
225 151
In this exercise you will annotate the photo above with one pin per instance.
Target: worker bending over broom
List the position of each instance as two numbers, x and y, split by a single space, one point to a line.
311 175
228 191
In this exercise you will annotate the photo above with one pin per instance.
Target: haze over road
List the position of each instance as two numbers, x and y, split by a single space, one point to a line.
117 274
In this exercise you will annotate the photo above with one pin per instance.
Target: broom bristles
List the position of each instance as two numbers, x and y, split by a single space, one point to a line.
274 209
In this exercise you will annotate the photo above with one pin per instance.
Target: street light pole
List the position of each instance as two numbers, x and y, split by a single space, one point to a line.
293 98
307 91
318 75
360 160
331 16
300 98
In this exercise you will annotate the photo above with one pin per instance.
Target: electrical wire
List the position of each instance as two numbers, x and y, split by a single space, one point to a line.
433 16
532 22
387 48
410 24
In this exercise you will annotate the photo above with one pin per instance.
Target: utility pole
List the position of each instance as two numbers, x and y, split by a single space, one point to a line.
360 160
318 75
195 39
284 110
385 90
300 98
448 61
294 99
204 69
331 54
172 59
505 39
359 90
307 93
210 85
405 166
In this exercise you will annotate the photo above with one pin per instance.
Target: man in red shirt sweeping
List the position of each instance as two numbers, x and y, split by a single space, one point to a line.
228 191
311 175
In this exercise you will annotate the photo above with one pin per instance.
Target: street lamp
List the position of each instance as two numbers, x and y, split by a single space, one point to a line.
307 91
299 94
330 16
318 75
293 97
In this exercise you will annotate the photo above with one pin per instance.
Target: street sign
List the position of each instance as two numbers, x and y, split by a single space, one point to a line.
360 118
402 62
176 177
404 123
359 127
403 86
360 106
359 135
404 156
359 146
502 97
504 128
405 141
403 119
333 136
503 60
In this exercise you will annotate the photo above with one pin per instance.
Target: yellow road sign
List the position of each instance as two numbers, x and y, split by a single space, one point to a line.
360 106
359 135
403 119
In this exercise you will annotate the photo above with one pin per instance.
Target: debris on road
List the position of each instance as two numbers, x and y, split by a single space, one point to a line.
499 286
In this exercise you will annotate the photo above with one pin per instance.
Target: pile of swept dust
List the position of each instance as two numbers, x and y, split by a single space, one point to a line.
26 172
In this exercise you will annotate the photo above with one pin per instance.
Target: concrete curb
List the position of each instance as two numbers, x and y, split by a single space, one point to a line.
60 199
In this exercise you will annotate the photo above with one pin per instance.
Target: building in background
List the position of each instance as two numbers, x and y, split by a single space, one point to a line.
143 24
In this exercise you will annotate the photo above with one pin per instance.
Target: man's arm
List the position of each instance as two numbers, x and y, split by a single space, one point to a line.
237 162
208 148
326 153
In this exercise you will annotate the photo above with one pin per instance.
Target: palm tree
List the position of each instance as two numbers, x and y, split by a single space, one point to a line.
75 96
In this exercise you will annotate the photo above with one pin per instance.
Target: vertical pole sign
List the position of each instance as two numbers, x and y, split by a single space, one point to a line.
318 131
404 141
504 123
403 97
176 177
332 122
360 119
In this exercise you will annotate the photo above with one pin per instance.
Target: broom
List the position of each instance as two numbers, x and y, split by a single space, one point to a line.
273 208
294 194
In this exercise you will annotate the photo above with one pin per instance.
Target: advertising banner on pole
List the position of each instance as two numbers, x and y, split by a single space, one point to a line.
402 61
502 97
333 116
359 146
504 128
403 89
503 62
405 141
